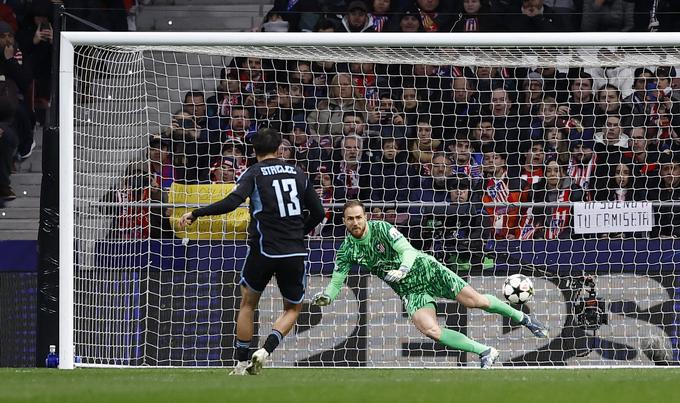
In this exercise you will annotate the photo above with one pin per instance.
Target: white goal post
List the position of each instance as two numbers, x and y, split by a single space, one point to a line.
82 184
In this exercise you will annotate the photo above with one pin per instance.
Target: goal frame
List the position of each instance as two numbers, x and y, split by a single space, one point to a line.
66 100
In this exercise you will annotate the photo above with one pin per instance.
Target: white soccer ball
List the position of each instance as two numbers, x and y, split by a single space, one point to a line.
518 289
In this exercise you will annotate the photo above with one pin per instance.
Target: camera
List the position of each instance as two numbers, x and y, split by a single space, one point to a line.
590 311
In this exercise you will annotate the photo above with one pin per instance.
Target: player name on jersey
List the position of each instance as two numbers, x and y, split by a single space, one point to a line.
277 169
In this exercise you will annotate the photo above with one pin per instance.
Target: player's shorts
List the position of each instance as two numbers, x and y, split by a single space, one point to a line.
289 271
441 283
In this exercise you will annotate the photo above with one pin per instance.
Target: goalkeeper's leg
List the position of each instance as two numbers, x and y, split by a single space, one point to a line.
470 298
425 320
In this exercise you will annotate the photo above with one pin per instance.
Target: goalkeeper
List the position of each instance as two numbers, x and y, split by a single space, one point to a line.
417 278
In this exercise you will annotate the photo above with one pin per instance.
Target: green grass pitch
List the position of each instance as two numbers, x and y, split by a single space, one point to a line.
341 385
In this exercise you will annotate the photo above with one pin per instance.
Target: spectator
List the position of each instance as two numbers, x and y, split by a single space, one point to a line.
357 18
409 21
668 217
423 148
325 25
381 14
612 137
466 163
502 221
607 15
581 104
533 95
353 123
429 188
223 171
555 83
251 75
13 69
582 166
638 99
160 162
482 132
610 146
387 179
474 18
307 151
390 122
274 22
556 145
463 104
195 144
620 186
455 229
326 120
531 169
35 40
410 103
349 169
537 17
240 124
505 123
228 94
546 117
129 222
435 16
286 152
234 148
565 12
432 187
551 221
607 102
331 225
301 15
8 138
645 164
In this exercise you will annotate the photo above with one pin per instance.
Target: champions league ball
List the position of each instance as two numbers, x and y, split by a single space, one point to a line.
518 289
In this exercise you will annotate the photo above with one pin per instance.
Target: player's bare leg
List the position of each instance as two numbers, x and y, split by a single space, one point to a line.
470 298
244 328
281 327
425 320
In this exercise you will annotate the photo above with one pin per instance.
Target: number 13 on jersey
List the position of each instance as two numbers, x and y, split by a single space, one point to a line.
287 197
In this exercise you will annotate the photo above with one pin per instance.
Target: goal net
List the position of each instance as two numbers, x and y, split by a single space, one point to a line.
553 157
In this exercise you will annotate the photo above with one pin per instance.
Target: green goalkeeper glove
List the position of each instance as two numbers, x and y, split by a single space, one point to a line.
321 299
395 276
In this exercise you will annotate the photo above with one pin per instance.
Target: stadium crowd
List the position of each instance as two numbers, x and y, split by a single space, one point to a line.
460 137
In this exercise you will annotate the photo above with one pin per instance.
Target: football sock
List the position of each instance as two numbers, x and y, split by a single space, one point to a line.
499 307
459 341
242 348
273 341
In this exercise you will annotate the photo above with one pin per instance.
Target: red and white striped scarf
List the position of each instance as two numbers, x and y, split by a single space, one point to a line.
429 22
471 25
498 191
560 217
581 175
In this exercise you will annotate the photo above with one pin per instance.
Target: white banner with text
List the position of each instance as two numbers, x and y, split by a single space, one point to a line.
613 216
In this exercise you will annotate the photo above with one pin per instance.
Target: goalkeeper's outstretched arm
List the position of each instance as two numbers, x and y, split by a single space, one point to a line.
342 266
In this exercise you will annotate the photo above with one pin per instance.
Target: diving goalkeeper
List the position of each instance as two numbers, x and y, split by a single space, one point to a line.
417 278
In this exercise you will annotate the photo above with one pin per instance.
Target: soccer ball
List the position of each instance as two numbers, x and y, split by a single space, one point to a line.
518 289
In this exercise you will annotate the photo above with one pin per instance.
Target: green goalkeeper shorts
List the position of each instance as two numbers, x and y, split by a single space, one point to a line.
439 282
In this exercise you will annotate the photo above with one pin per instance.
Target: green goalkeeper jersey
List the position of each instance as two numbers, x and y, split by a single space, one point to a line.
384 248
